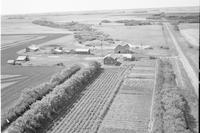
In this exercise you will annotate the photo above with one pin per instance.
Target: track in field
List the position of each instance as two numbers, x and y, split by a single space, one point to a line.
86 114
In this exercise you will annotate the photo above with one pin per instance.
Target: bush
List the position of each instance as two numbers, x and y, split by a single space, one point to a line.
44 109
30 95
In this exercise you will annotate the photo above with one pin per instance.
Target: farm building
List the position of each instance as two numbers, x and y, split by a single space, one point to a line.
32 48
128 57
110 60
12 62
122 49
22 58
82 51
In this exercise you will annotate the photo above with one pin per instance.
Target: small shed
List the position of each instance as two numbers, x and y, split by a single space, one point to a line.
128 57
110 60
22 58
82 51
12 62
147 47
122 49
32 48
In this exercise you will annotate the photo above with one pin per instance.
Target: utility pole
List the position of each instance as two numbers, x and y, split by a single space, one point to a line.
102 46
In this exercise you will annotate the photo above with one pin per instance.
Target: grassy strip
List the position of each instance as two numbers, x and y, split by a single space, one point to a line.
30 95
43 110
170 106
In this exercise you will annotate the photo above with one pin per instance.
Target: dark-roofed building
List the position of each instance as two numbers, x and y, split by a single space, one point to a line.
122 49
111 60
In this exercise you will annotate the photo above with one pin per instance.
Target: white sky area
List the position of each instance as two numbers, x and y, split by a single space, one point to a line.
40 6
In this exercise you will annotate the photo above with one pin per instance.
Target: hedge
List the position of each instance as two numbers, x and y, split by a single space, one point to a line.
169 109
44 109
30 95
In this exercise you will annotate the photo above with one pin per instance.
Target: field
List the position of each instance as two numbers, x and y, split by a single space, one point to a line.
146 35
191 33
141 95
25 26
86 114
130 110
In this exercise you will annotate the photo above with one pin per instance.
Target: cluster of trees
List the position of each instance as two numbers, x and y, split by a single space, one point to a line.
174 114
105 21
30 95
133 22
72 26
49 106
169 109
184 18
46 23
86 36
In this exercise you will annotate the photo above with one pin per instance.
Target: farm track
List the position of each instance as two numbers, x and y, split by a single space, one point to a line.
186 64
86 114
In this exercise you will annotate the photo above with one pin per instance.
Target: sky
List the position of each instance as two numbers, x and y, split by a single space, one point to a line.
40 6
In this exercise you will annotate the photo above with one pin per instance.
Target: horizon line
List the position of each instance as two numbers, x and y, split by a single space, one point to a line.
75 11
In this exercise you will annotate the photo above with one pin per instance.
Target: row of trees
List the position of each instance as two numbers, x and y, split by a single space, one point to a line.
133 22
169 109
30 95
83 32
43 110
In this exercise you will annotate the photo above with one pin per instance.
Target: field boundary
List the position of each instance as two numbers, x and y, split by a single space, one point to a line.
150 126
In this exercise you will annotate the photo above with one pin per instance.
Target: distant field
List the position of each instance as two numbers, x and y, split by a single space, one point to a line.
190 32
24 27
146 35
67 42
12 39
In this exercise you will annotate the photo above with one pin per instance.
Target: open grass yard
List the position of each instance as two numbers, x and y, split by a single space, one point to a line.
67 42
130 110
67 59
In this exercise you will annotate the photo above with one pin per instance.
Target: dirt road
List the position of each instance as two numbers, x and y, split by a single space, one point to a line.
188 68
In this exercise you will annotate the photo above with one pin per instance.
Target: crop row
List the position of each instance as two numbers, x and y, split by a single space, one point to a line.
87 113
30 95
43 110
170 106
